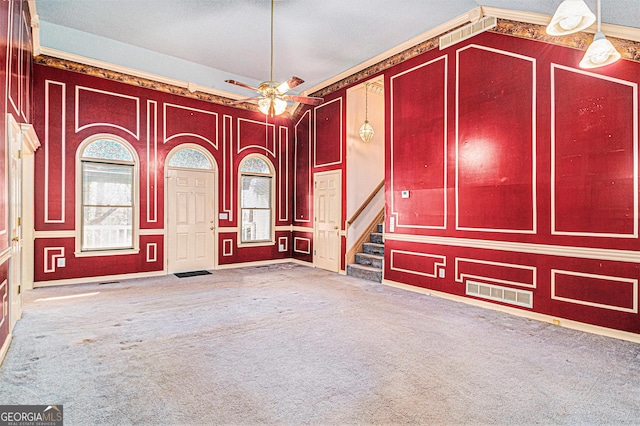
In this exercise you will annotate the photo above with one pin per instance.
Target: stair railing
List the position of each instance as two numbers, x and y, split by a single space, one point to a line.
357 247
364 205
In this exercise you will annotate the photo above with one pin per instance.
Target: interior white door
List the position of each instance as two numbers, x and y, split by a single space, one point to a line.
190 220
15 234
327 207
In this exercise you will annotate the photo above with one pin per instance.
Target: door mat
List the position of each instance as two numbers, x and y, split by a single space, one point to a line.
191 274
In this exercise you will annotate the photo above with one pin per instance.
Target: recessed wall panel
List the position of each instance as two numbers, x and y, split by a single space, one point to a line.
495 141
594 154
419 145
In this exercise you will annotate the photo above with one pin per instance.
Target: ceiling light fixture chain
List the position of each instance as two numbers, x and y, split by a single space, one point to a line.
273 98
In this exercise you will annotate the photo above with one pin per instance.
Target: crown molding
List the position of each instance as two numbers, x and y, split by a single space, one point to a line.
75 63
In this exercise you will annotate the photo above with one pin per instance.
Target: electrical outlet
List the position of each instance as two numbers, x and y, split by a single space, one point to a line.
61 262
281 247
405 194
441 272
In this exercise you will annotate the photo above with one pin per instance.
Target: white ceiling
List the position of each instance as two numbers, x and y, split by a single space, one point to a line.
209 41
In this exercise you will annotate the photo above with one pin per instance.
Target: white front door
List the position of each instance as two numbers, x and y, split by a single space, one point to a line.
15 219
327 208
190 220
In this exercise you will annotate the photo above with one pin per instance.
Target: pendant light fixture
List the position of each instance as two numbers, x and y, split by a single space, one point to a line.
570 17
366 130
601 52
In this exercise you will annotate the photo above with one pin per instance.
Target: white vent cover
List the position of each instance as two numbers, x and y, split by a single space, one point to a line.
501 294
467 31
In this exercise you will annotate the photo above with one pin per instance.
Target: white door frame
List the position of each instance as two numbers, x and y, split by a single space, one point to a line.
339 231
14 207
214 171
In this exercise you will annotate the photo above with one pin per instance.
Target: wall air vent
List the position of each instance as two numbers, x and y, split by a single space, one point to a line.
500 294
467 31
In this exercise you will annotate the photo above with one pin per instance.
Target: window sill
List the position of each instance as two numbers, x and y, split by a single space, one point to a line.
257 244
95 253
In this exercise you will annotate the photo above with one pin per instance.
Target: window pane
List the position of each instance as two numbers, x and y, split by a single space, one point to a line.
255 165
256 192
107 227
107 149
256 225
107 185
191 159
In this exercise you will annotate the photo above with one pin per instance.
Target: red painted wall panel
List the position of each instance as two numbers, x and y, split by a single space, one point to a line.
302 246
495 140
91 104
595 180
327 140
418 120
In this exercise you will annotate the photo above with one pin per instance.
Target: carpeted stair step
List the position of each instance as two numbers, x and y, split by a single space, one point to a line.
365 272
381 228
373 248
376 237
374 260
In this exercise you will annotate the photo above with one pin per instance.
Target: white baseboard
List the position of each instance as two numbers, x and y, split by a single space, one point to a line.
5 347
89 280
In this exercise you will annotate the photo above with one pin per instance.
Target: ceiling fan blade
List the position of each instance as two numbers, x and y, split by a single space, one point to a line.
246 86
241 101
289 84
303 99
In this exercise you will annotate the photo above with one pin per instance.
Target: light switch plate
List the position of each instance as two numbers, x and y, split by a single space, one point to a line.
405 194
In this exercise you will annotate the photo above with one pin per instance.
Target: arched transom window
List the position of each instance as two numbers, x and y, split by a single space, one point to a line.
256 200
107 172
190 158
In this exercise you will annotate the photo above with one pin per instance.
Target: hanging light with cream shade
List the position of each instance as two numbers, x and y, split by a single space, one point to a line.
570 17
366 130
600 52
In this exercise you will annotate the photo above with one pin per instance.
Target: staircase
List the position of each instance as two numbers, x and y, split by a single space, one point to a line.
368 264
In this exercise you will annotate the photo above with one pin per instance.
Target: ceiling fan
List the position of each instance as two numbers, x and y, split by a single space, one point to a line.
273 98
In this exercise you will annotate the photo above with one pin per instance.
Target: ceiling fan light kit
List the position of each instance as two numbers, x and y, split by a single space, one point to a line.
273 98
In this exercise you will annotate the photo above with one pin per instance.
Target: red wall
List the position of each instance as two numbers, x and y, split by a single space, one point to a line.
71 107
522 171
15 99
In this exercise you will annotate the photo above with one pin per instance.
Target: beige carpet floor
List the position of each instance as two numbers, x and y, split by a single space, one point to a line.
289 344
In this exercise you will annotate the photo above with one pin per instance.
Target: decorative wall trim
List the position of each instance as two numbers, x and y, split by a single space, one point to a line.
47 150
284 242
627 256
227 170
634 109
632 281
461 277
445 146
152 161
315 134
297 218
51 254
573 325
300 250
534 96
133 132
283 174
98 279
166 138
227 247
440 263
152 252
269 127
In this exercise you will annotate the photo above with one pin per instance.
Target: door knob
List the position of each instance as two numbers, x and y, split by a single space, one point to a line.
16 239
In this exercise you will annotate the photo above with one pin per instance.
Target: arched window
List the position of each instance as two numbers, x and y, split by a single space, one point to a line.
190 158
107 195
256 200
